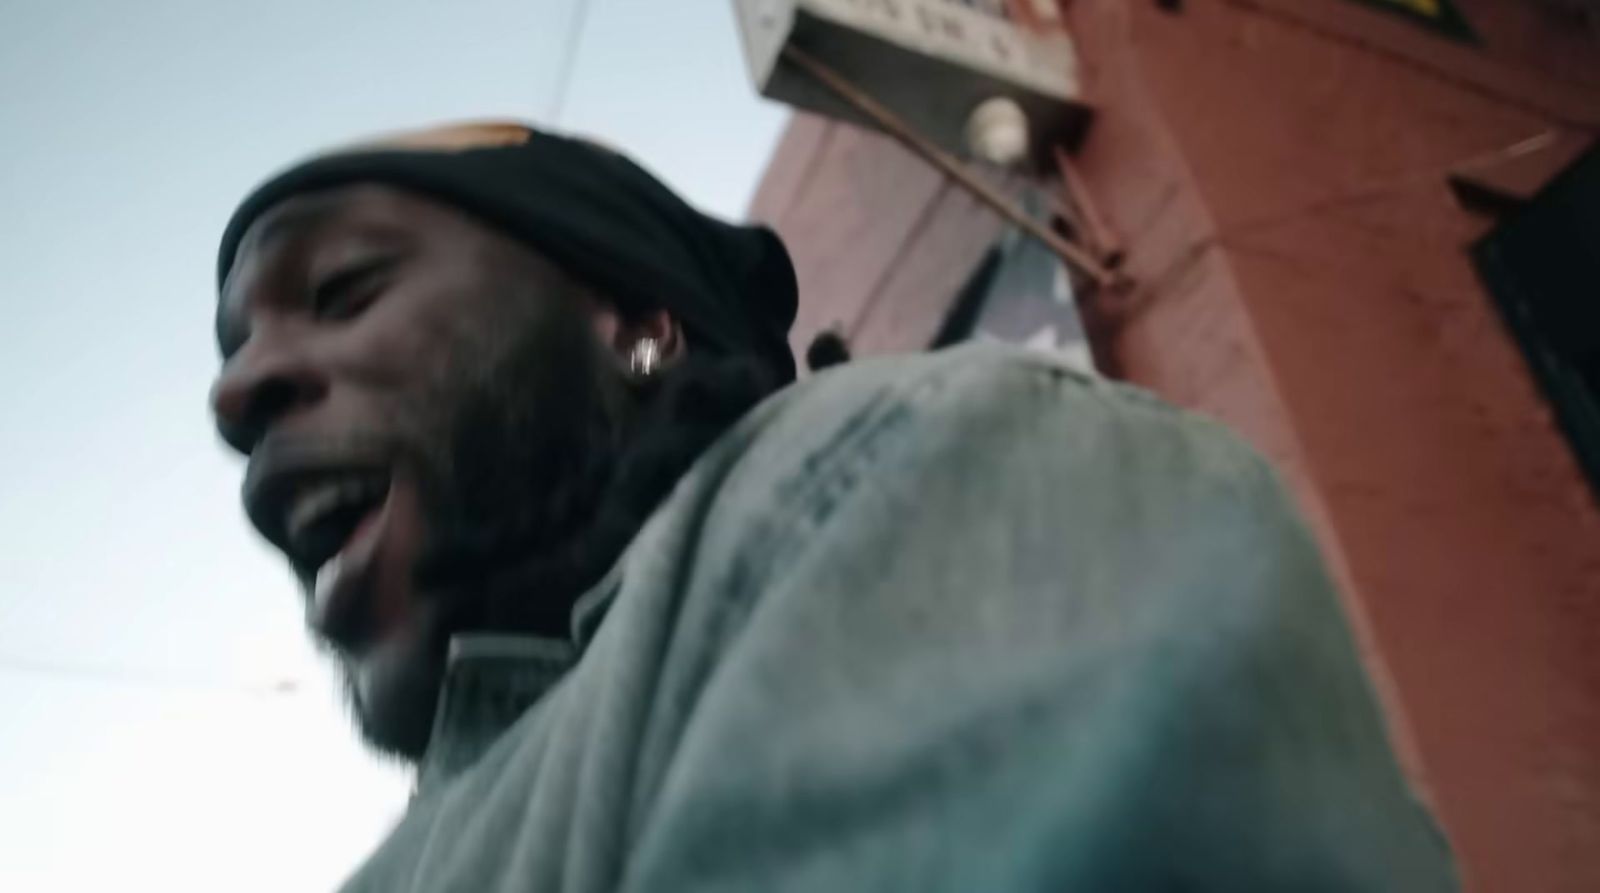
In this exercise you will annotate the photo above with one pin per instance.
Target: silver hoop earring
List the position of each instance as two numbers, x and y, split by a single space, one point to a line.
645 357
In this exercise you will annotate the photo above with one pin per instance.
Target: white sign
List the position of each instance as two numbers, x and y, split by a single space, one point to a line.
930 61
963 34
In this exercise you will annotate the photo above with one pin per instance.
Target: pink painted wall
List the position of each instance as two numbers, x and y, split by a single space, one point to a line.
1277 169
1318 136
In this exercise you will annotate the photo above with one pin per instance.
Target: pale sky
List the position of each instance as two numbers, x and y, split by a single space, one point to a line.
145 633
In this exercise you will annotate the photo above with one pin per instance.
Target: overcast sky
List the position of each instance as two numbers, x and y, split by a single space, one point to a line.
163 724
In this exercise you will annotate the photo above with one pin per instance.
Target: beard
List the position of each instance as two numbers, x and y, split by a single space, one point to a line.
504 444
529 452
518 565
538 461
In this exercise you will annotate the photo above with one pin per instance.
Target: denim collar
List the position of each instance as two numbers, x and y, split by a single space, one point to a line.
491 679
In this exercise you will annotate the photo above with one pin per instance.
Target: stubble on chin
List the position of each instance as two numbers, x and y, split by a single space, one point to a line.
393 688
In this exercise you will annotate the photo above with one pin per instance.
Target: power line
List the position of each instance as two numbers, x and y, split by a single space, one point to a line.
569 62
139 678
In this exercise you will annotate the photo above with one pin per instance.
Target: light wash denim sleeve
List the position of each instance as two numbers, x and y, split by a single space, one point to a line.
1011 629
958 622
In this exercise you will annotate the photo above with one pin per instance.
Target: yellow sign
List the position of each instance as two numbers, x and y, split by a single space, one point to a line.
1441 14
1429 8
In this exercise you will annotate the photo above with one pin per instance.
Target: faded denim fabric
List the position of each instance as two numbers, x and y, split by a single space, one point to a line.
965 621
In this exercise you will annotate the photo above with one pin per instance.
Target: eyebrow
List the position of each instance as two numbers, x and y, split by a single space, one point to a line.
286 223
273 227
280 223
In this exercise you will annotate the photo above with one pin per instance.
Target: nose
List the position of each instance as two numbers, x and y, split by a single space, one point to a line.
259 386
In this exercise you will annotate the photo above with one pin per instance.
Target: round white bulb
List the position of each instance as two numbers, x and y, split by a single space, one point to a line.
997 131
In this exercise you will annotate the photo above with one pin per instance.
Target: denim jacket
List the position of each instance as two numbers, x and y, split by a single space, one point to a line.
965 621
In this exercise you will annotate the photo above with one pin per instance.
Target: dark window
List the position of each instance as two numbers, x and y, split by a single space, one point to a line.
1543 267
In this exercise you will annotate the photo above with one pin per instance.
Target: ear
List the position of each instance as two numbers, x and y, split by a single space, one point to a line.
624 334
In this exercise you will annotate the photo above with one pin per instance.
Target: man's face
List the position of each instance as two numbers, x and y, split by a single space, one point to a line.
404 379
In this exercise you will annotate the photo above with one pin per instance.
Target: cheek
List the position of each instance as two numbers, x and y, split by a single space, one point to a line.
400 367
390 344
441 359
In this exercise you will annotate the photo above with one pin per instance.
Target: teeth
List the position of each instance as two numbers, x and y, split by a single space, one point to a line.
327 577
316 501
310 504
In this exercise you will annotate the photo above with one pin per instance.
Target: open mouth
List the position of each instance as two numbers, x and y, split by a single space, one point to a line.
329 509
316 514
322 519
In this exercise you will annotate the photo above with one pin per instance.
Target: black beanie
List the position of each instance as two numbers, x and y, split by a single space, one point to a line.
592 212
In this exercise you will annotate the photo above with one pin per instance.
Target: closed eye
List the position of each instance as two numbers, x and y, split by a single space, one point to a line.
347 291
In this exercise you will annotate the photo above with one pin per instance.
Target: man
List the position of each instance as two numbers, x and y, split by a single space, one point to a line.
647 619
